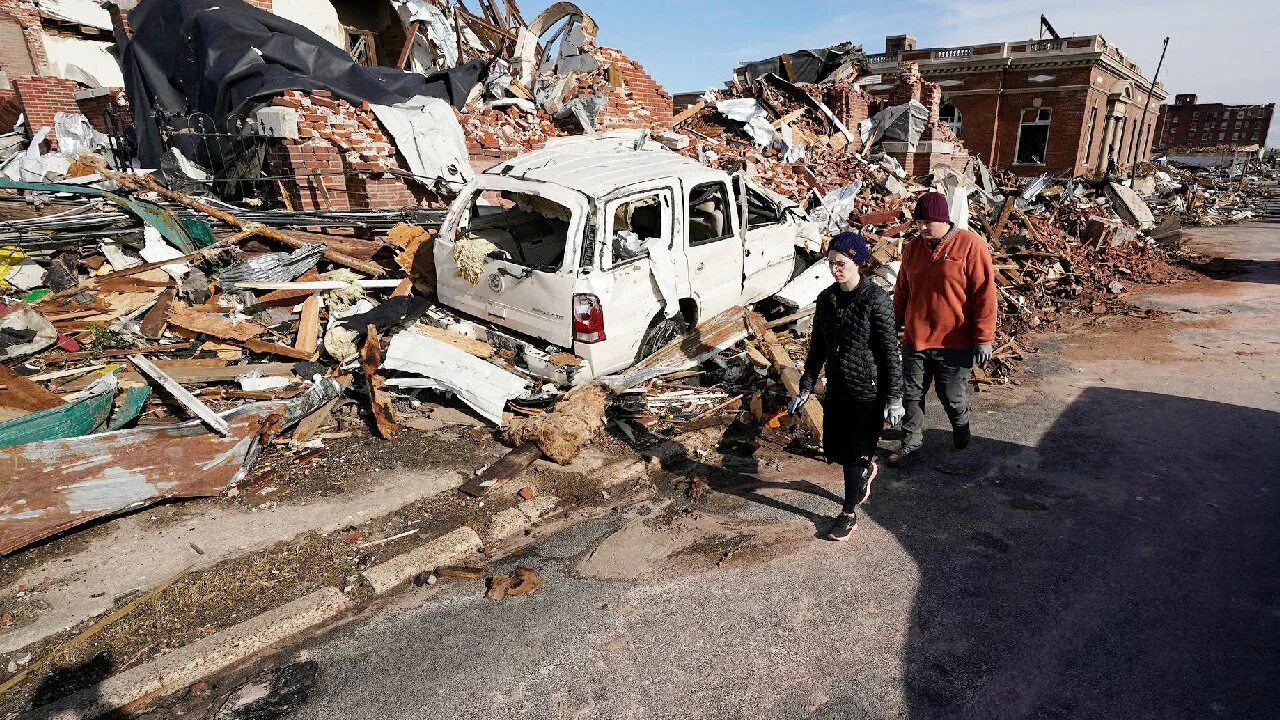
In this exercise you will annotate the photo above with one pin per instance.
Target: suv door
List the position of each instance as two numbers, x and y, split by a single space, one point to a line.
769 244
713 247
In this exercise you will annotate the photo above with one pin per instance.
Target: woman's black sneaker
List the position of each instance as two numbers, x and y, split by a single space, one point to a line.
960 436
843 527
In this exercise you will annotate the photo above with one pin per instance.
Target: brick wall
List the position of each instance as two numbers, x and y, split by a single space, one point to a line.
341 159
638 101
42 97
9 109
95 108
15 59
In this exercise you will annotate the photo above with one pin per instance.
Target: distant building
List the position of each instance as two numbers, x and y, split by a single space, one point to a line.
1063 106
1188 124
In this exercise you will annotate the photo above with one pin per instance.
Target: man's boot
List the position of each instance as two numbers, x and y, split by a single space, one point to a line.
904 456
960 436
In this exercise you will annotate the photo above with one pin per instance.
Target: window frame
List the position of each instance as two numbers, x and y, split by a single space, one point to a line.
1036 122
665 201
730 214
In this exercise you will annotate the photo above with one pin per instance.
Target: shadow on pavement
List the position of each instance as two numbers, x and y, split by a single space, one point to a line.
1125 566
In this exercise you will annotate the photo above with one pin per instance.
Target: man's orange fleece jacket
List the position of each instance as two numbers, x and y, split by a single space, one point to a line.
946 296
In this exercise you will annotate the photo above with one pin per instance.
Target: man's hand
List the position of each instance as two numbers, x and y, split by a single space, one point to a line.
797 402
982 354
894 412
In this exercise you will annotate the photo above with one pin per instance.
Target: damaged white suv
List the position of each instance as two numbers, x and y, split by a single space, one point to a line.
609 252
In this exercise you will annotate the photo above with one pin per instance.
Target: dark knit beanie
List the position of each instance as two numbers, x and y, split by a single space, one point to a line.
852 244
932 207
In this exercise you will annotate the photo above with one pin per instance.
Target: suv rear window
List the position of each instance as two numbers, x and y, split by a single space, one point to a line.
530 230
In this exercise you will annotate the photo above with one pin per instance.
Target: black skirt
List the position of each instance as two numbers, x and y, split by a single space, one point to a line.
851 429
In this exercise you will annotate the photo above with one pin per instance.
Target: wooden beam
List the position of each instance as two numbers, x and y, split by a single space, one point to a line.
688 112
384 417
787 68
507 467
407 49
100 354
309 326
998 230
182 395
270 348
21 393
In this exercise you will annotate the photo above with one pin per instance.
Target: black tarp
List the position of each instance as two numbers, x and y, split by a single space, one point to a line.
222 57
811 66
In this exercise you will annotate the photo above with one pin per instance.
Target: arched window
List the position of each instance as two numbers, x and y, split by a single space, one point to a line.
950 114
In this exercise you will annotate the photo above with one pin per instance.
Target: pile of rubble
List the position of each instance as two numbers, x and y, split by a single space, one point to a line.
1210 195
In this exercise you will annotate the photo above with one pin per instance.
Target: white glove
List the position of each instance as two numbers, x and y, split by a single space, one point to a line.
797 402
982 354
894 412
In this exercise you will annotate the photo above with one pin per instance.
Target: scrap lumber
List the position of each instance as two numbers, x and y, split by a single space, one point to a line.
309 326
149 183
181 394
811 411
103 354
710 337
568 428
407 48
384 416
998 230
270 348
130 469
479 348
689 112
188 318
157 317
506 468
189 372
20 393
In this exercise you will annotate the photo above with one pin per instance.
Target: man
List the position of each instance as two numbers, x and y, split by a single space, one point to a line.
945 301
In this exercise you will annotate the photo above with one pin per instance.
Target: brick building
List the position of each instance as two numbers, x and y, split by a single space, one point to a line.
1067 106
1188 124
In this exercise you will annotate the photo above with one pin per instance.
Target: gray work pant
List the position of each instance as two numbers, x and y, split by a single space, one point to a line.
948 371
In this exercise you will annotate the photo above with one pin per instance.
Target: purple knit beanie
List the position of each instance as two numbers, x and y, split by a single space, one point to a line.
852 244
932 207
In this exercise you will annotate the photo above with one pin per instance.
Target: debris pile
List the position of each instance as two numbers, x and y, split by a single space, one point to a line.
1239 190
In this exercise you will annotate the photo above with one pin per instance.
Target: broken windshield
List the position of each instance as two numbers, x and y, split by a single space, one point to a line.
524 229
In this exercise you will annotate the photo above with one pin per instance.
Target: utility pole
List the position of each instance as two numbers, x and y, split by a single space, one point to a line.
1133 171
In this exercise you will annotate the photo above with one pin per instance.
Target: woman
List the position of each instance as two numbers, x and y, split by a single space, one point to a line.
855 340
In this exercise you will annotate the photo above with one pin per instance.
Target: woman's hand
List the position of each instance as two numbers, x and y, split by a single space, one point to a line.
894 412
797 402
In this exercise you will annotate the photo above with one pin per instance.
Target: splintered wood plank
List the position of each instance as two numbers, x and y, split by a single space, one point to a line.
270 348
384 417
191 319
20 393
181 394
309 326
507 467
158 316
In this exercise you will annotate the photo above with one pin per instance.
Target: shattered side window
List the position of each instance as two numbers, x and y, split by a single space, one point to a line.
526 229
709 214
760 209
632 225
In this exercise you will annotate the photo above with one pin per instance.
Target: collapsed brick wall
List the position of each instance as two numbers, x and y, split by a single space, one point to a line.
10 108
20 59
42 98
94 107
341 160
636 100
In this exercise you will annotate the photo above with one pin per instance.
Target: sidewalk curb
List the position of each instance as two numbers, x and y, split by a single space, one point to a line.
444 550
189 664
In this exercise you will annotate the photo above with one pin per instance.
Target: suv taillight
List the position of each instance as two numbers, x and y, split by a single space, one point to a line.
588 319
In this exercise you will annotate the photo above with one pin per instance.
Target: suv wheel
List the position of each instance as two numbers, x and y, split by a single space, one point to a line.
660 333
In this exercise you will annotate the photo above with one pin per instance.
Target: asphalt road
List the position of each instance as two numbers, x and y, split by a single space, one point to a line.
1106 548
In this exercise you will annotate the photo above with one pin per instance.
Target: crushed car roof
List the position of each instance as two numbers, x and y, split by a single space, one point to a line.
597 166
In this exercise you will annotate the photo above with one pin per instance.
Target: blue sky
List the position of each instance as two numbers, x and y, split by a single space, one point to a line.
1223 50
